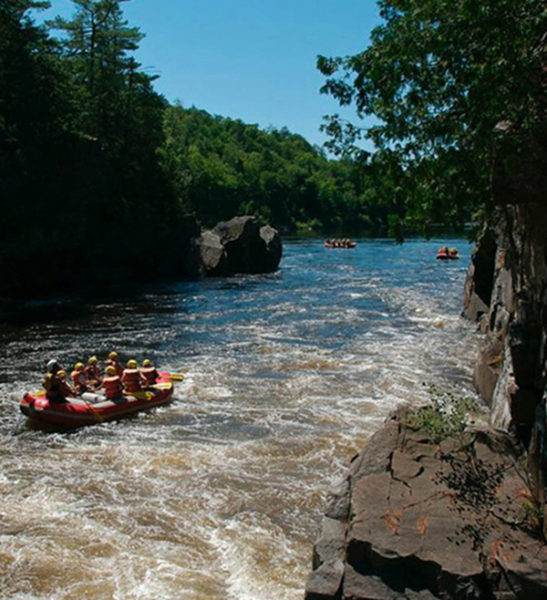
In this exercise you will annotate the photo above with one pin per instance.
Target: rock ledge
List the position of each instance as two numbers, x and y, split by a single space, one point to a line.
414 520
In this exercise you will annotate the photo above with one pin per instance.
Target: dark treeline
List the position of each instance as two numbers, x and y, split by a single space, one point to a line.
100 176
83 194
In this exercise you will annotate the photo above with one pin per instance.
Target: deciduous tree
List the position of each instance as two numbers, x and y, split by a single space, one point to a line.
437 76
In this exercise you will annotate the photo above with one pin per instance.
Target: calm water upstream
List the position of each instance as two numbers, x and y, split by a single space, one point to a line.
219 495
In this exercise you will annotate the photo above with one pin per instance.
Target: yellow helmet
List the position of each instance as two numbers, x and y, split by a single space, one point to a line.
61 374
113 355
78 366
92 360
132 364
111 370
146 363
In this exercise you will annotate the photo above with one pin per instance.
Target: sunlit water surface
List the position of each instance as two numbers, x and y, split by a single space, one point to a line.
219 495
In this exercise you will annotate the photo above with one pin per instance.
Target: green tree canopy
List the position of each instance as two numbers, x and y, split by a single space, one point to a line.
80 179
437 76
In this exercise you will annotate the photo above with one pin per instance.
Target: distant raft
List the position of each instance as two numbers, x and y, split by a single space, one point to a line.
445 253
340 243
93 408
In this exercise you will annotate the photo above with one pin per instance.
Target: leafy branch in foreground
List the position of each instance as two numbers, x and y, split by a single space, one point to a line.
437 76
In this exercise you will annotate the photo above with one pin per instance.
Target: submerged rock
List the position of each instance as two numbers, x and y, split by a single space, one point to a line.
425 521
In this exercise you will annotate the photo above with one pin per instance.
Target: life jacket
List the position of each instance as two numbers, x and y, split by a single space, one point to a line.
80 381
47 381
131 380
150 374
113 387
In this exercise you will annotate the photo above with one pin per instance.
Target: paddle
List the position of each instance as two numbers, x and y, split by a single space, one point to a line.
98 417
172 376
140 395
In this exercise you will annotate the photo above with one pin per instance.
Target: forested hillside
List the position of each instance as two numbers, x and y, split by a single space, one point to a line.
83 194
219 167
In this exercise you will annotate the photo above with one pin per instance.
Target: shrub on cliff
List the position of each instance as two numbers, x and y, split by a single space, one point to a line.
446 415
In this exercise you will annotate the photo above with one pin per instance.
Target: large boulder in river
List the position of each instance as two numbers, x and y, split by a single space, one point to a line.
240 245
270 260
213 254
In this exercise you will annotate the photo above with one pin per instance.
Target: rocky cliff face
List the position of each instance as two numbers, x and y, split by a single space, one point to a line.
506 292
463 520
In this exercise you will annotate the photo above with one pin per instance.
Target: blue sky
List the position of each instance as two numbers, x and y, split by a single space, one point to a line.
247 59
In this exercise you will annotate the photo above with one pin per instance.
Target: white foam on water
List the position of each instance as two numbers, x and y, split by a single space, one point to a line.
256 556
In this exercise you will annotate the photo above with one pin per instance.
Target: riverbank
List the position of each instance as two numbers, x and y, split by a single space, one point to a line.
421 520
239 245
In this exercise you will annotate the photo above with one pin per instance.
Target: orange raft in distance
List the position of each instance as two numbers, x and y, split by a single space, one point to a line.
445 253
92 408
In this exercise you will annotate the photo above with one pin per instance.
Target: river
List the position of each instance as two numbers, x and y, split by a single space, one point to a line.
219 495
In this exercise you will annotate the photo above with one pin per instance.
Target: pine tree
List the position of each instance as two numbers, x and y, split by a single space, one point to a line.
98 44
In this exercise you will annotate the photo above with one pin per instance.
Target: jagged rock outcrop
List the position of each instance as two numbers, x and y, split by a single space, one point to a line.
240 245
506 291
415 520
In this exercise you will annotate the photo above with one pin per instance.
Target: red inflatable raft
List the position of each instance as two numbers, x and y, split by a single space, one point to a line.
90 408
445 253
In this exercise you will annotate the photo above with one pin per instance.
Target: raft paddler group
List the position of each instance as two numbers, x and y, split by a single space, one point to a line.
446 253
339 243
116 380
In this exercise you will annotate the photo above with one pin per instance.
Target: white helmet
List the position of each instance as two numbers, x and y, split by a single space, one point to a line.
53 365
